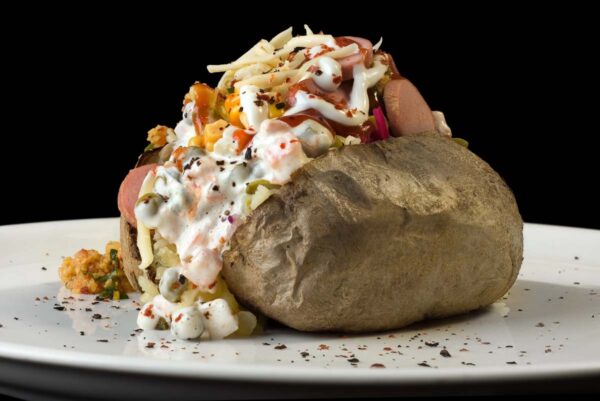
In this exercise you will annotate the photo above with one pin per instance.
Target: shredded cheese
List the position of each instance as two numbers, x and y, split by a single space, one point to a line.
144 240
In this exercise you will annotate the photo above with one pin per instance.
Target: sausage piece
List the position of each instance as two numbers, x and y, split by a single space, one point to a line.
407 111
130 189
365 54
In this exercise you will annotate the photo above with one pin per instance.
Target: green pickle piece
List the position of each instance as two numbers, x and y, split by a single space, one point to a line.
252 186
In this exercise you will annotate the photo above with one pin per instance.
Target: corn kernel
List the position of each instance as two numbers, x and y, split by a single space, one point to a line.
231 101
275 112
235 117
212 133
196 140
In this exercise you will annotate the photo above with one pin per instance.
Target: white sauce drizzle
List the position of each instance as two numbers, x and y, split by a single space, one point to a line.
358 106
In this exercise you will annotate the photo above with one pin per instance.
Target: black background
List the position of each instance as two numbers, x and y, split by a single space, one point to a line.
85 86
81 87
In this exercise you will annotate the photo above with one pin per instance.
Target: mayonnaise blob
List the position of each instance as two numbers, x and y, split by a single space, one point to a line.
187 323
198 209
314 137
328 74
255 109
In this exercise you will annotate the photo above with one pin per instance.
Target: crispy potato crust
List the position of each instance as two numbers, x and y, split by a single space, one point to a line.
130 253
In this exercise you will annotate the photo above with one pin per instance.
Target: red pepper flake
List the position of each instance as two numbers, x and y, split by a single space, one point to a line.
337 79
150 345
282 145
148 310
178 318
323 347
387 348
378 365
212 285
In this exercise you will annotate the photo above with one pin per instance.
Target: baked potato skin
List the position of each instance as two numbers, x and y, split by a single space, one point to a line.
130 253
378 236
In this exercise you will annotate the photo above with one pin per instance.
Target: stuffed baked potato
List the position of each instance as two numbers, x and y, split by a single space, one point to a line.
283 189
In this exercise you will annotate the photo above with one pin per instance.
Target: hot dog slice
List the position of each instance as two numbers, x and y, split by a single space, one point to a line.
365 55
407 111
130 189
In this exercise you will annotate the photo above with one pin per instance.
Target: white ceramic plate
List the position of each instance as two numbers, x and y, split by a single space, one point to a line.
544 334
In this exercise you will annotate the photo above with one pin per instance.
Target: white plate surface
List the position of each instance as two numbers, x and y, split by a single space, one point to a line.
546 329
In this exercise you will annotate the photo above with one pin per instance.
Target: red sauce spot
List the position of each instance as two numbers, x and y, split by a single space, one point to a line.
282 145
337 98
148 311
178 318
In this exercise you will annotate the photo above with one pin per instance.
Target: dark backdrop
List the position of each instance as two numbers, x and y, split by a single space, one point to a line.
85 86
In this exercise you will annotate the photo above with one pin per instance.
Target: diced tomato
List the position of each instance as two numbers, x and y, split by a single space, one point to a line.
242 138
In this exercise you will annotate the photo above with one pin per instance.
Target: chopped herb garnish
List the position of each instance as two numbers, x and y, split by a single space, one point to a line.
112 279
